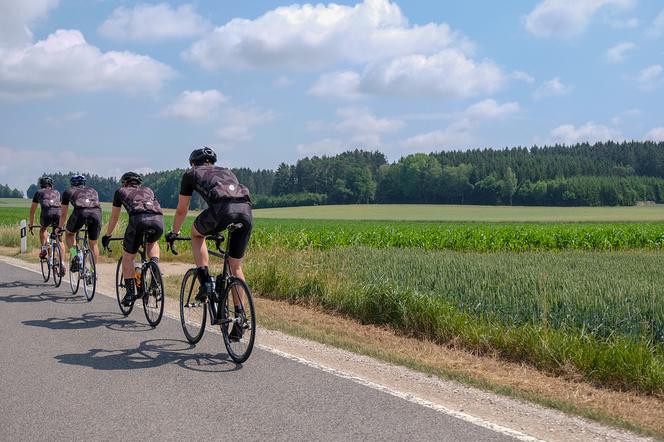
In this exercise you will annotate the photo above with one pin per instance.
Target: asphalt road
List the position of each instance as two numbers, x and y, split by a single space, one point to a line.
72 370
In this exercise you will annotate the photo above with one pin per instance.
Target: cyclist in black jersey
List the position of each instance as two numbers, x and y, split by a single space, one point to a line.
48 199
228 203
145 215
87 212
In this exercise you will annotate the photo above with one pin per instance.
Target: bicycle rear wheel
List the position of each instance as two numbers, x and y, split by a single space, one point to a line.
120 289
89 275
57 264
74 279
193 313
153 293
238 320
45 269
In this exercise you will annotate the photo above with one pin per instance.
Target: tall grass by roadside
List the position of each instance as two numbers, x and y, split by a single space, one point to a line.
596 316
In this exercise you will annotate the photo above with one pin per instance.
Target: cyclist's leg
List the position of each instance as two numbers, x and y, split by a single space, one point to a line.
93 223
199 248
74 224
155 223
130 246
237 245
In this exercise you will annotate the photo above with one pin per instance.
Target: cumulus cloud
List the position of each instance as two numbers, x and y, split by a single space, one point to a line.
655 134
589 132
459 133
66 62
196 105
447 74
523 76
306 36
238 123
650 78
566 18
616 54
551 88
16 17
656 29
149 23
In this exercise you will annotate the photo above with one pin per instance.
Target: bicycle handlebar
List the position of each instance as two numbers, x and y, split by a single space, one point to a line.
218 239
108 248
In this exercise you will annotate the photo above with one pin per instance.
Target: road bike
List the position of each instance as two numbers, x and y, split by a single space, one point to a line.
148 283
229 304
52 263
87 271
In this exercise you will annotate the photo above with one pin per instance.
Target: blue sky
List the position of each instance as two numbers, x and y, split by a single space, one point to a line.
108 86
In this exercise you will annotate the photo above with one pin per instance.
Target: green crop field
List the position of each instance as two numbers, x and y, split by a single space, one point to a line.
423 212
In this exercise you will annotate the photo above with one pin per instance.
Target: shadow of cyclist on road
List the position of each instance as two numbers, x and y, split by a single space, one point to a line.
21 284
150 354
42 297
113 321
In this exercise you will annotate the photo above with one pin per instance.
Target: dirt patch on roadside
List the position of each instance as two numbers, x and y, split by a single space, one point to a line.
515 379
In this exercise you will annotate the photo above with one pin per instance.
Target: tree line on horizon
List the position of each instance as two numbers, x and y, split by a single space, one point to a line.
580 175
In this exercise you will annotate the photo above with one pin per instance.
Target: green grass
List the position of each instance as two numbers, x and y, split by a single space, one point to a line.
593 315
423 212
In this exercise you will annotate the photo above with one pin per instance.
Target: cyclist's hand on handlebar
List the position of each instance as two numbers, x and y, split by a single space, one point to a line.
171 236
30 227
105 241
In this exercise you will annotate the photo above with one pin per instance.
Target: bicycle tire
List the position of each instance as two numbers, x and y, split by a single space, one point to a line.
120 289
192 314
89 275
153 293
72 275
45 269
57 264
238 349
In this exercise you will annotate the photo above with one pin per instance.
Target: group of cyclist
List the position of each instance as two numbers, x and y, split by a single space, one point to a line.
228 203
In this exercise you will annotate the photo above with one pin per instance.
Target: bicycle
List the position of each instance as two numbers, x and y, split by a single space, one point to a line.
230 305
148 282
86 267
53 261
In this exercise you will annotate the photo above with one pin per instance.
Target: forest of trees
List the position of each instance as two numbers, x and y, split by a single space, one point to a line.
580 175
8 192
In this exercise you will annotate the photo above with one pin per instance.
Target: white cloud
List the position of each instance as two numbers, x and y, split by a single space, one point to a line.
154 23
308 36
655 134
523 76
589 132
283 81
447 74
21 167
616 54
656 29
196 105
459 133
360 126
65 118
650 78
551 88
65 61
327 146
566 18
629 114
16 17
344 85
238 123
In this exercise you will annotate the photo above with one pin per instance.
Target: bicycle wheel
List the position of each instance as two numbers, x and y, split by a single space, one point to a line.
153 293
89 275
74 280
120 290
238 320
45 269
192 312
57 264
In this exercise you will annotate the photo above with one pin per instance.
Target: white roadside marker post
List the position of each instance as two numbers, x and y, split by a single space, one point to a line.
24 236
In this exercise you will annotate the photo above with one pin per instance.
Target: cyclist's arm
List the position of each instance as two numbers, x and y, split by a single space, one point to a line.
181 212
63 216
33 209
115 216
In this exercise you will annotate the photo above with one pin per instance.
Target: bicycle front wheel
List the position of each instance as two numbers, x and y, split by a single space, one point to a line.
238 320
120 289
193 313
89 275
153 293
57 265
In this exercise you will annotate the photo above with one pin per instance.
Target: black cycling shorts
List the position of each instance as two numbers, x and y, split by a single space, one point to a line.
138 225
90 218
49 217
218 216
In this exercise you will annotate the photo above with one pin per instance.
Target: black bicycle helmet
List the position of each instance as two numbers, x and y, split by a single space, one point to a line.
203 155
77 180
131 178
45 181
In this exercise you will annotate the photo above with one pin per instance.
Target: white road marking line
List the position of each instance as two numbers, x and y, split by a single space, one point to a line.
370 384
